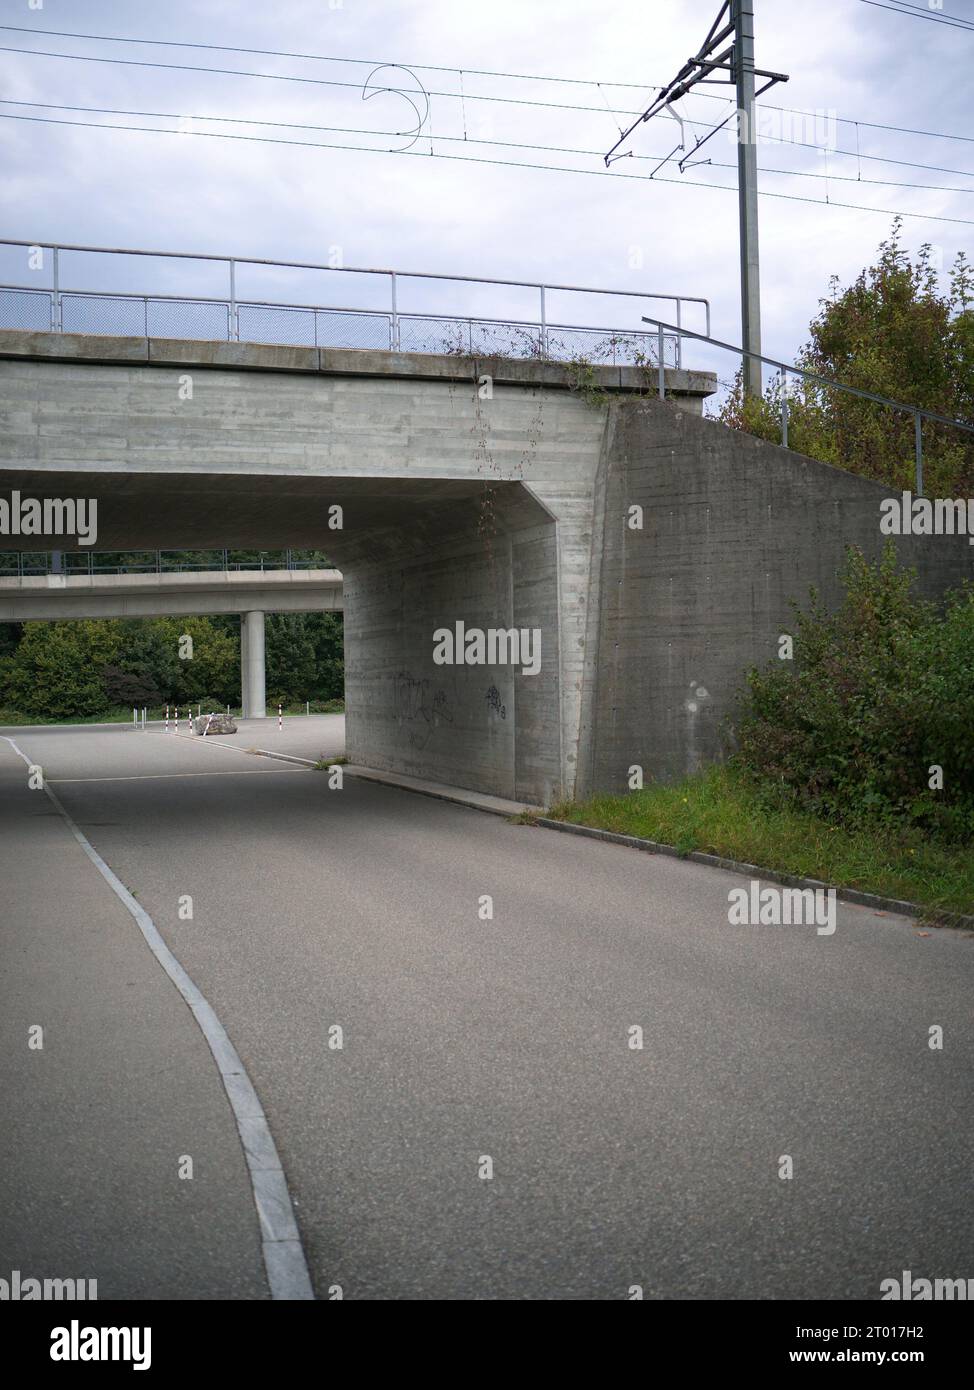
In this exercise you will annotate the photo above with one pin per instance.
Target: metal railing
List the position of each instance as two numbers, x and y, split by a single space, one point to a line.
62 308
787 370
33 563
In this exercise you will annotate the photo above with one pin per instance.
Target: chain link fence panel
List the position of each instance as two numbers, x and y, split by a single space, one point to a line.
184 318
338 329
30 310
260 323
106 315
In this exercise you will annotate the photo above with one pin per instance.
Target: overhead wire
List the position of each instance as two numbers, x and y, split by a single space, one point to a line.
503 144
915 12
472 159
462 96
418 67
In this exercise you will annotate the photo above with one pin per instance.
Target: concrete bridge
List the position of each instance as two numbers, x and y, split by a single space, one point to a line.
649 552
162 594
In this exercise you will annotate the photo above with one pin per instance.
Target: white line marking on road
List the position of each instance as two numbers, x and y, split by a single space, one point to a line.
163 776
284 1261
266 753
289 757
215 742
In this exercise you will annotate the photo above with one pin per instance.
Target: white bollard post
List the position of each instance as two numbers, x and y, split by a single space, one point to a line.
135 717
167 719
280 718
307 708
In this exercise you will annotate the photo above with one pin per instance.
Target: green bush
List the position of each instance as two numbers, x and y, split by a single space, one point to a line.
56 670
878 694
129 688
214 671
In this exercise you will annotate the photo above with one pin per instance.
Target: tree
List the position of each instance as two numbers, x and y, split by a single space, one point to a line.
66 670
145 670
212 673
328 635
56 671
128 689
290 657
10 635
894 334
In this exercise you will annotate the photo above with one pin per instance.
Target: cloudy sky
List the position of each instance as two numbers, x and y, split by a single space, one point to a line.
856 67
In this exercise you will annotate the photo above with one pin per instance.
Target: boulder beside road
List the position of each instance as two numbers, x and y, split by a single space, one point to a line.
214 724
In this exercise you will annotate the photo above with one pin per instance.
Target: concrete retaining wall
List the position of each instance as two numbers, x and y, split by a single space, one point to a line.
487 727
734 528
490 563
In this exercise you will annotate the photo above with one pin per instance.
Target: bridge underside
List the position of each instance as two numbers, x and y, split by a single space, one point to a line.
415 556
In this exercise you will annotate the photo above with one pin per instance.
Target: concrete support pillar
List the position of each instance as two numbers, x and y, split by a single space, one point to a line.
243 662
252 680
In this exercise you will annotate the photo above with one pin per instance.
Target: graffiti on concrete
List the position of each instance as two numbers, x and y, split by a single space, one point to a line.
494 702
419 708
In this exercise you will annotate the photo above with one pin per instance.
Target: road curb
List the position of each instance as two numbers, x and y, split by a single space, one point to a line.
477 801
737 866
458 796
281 757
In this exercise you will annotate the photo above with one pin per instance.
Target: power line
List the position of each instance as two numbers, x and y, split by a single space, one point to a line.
419 67
915 12
858 155
287 77
774 139
325 58
504 100
924 9
472 159
472 140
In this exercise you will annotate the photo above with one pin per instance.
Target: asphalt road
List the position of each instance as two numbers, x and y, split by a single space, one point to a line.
463 1039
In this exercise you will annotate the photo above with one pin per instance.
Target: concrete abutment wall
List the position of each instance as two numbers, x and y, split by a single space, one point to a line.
734 531
489 726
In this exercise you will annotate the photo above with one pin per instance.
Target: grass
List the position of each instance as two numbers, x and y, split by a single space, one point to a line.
718 812
317 707
12 717
114 716
324 763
